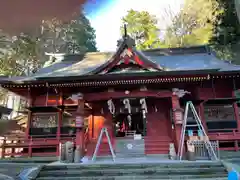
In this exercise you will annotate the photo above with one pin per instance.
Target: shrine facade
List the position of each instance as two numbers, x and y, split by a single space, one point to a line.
132 93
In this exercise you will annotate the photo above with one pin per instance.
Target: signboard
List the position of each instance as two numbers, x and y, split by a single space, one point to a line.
79 121
178 117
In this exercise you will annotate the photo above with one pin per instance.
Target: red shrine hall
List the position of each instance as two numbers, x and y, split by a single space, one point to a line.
131 93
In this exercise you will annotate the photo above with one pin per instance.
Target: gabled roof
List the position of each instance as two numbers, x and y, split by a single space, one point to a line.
169 60
175 59
126 52
191 58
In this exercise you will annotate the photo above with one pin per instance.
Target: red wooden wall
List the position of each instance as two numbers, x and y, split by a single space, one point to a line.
51 100
215 89
159 133
96 123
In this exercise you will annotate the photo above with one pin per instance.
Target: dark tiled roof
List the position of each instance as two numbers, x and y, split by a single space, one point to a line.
85 64
191 58
191 62
175 59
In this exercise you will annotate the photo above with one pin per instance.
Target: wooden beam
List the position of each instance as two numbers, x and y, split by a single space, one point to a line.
132 94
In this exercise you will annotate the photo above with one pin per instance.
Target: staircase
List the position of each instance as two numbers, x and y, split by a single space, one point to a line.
129 148
155 145
231 156
138 171
13 166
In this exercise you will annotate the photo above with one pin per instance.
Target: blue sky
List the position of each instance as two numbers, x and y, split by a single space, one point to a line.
105 16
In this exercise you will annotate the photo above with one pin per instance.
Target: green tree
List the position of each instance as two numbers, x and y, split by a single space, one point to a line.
81 36
226 34
193 25
143 27
25 53
73 37
4 42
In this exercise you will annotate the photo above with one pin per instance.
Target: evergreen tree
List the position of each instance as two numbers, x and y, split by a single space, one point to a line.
142 27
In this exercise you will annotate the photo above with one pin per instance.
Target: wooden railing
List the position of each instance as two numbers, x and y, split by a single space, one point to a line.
24 147
224 136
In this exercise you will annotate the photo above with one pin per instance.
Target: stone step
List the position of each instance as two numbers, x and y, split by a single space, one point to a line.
137 147
135 165
129 155
165 170
175 177
13 169
139 171
129 152
130 147
167 164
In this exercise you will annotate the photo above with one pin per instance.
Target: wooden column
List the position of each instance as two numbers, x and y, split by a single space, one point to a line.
177 126
80 126
30 103
202 117
92 134
236 112
59 131
59 102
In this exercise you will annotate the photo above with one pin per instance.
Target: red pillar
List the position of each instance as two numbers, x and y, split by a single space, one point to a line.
177 127
202 117
59 131
79 137
30 103
59 102
80 126
236 112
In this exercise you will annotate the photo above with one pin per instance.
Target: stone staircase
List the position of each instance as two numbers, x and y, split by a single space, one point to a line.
13 166
231 156
138 171
129 148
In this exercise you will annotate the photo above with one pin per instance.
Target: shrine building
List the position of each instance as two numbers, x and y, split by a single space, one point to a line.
133 94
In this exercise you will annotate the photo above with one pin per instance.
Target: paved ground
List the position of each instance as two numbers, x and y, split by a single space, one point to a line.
13 166
4 177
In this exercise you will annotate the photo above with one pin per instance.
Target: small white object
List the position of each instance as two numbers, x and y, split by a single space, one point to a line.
129 146
85 159
127 92
137 136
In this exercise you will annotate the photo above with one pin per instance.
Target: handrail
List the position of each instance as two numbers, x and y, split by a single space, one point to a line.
218 130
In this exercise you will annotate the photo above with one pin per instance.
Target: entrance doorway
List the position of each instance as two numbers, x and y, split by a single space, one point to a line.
124 124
